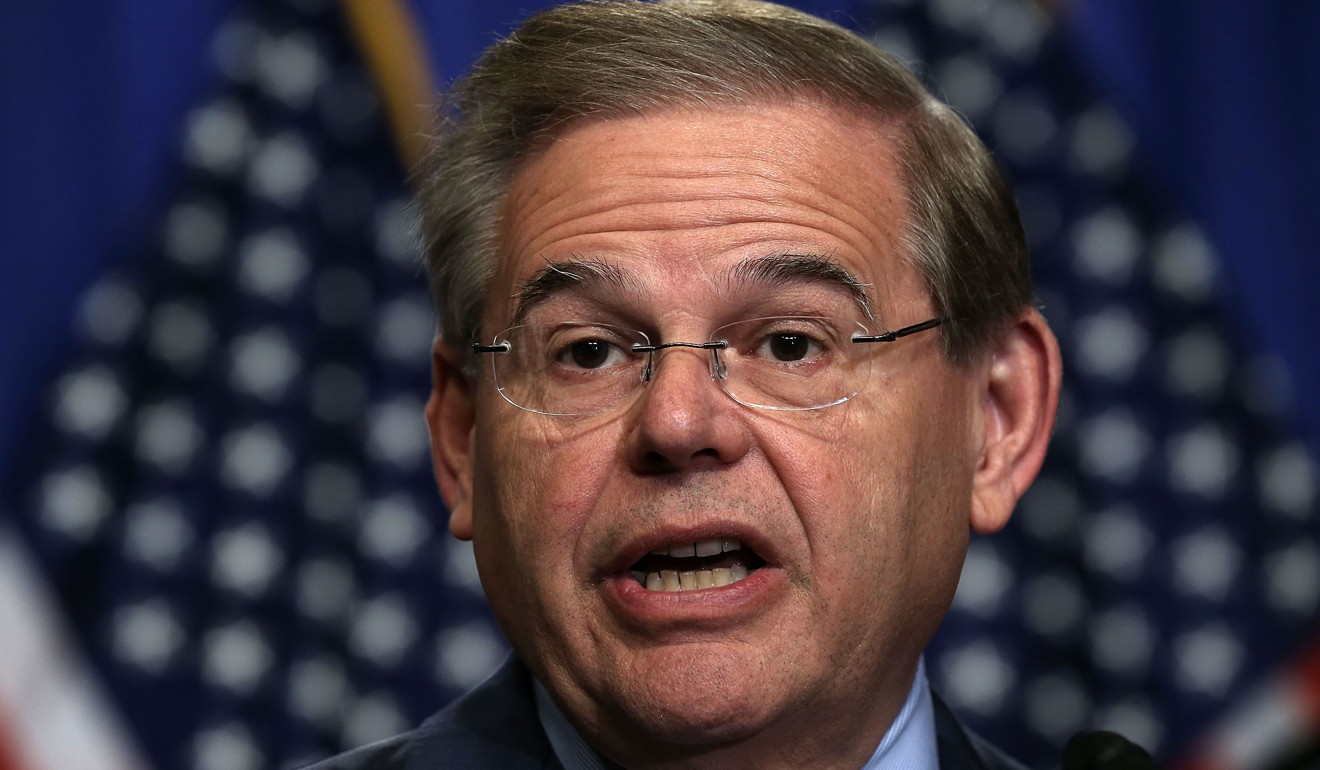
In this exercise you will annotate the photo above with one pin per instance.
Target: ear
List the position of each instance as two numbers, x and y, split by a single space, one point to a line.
450 416
1020 400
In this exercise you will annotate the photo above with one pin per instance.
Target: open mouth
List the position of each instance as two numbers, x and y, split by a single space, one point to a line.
707 563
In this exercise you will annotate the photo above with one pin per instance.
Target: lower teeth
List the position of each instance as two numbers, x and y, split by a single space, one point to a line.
690 580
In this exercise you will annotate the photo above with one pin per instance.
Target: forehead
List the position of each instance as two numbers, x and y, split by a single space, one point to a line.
682 200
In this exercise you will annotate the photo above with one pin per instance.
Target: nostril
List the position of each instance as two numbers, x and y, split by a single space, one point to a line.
660 462
682 421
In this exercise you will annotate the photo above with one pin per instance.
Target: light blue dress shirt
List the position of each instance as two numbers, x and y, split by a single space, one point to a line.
909 744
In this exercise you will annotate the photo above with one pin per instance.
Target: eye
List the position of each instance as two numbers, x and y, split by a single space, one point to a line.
791 341
589 354
588 349
788 346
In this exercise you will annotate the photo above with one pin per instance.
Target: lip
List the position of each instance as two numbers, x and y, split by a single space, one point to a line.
666 612
716 606
635 549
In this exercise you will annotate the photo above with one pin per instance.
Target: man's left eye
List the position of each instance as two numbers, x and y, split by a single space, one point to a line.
786 347
789 347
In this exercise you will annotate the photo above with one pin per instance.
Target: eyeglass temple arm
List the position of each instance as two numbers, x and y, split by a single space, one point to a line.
502 347
895 335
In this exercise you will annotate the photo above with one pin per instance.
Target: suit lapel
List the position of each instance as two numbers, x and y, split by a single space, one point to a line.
494 725
961 749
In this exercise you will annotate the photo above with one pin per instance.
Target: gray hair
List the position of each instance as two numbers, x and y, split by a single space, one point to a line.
613 58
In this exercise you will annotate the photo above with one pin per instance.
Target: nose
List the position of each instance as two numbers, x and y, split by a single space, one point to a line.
683 420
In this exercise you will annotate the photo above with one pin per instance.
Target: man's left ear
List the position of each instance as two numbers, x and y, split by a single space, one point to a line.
1020 401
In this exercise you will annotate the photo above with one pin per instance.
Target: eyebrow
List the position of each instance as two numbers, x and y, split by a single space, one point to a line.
775 269
563 275
787 267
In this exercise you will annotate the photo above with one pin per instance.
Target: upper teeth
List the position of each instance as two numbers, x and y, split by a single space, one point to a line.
711 546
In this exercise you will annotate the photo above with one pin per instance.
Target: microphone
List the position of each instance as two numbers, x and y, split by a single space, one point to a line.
1102 750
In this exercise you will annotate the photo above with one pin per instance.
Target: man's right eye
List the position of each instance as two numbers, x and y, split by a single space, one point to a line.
592 353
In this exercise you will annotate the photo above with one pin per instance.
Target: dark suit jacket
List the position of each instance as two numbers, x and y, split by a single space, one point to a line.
496 726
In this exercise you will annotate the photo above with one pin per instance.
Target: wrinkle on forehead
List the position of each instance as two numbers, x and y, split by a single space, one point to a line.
813 189
776 148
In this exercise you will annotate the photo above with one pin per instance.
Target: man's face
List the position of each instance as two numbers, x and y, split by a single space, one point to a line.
852 519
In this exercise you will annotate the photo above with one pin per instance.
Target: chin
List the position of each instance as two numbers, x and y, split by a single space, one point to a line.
703 698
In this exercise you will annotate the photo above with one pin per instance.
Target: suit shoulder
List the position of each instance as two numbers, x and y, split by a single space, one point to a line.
992 756
493 726
389 754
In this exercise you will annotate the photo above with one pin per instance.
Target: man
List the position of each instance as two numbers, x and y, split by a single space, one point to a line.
737 344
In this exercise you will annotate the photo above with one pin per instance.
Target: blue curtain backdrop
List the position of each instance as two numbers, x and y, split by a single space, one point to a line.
1223 99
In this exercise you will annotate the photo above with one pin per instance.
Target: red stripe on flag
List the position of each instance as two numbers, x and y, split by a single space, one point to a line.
1200 760
1306 678
9 754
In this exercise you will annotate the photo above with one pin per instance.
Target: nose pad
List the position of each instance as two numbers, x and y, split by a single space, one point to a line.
681 422
718 371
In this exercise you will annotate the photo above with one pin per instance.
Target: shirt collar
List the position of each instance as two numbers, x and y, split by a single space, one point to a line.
571 750
909 743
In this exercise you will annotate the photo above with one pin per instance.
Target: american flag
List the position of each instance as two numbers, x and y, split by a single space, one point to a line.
1166 559
229 509
231 495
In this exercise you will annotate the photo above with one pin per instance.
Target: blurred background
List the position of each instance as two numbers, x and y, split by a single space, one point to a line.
220 545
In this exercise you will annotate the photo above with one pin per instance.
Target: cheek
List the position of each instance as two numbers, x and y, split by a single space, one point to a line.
535 488
936 464
890 490
538 481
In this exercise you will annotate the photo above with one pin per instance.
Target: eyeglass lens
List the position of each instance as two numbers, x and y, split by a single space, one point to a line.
576 368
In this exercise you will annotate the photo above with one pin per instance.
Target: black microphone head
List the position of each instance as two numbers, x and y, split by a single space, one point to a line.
1102 750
